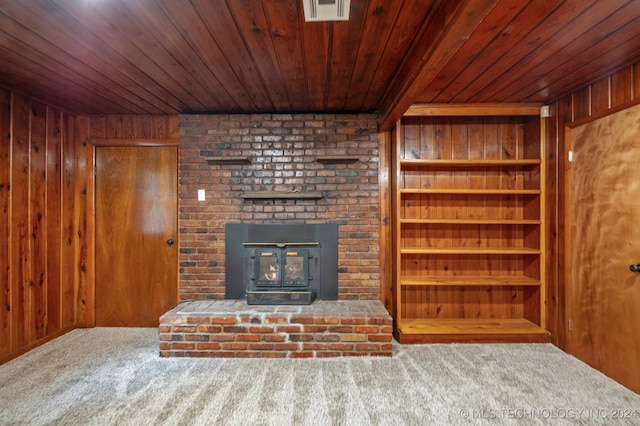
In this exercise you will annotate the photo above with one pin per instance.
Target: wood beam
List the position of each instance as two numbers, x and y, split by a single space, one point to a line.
473 109
437 42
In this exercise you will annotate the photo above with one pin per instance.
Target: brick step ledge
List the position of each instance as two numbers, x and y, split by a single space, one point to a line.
233 329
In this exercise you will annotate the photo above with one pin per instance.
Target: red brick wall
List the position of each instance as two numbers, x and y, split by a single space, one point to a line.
282 150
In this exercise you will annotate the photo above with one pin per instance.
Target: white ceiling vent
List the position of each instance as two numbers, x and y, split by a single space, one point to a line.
326 10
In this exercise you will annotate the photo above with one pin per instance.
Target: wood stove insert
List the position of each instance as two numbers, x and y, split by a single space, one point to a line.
281 264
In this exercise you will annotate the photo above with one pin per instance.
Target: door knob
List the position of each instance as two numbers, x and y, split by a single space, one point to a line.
635 268
170 241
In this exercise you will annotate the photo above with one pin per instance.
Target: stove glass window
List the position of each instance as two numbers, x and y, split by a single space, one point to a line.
295 268
268 269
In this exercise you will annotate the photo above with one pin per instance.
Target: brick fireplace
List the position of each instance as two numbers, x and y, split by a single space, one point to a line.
278 169
286 168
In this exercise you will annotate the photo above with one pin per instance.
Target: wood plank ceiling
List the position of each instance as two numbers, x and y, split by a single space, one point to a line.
256 56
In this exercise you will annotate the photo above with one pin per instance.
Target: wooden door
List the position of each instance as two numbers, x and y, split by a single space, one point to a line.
604 294
136 234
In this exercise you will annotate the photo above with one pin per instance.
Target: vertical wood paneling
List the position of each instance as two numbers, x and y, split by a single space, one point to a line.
37 294
411 148
38 219
386 252
20 240
622 87
582 103
53 217
600 96
5 222
83 305
68 250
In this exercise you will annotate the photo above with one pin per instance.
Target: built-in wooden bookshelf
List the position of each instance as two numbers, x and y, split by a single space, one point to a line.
469 241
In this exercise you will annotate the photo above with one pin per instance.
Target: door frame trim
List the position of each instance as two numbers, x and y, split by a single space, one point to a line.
134 142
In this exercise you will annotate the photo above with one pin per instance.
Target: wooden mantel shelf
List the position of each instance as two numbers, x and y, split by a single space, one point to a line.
338 159
279 195
228 160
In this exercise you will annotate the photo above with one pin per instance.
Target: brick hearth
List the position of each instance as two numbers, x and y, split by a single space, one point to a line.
231 328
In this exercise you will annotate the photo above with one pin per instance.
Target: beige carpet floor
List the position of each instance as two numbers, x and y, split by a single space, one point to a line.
111 376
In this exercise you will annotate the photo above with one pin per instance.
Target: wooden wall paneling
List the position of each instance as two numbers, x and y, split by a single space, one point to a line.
509 179
601 96
88 225
412 209
533 130
111 127
83 312
427 208
5 223
133 127
478 237
43 230
68 260
54 213
475 147
494 297
20 239
581 103
565 114
551 228
460 204
165 127
442 147
621 86
434 299
396 229
38 218
97 126
516 144
385 141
